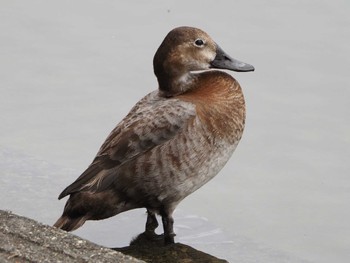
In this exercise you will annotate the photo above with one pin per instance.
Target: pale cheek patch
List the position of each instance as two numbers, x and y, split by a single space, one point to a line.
206 57
196 64
209 55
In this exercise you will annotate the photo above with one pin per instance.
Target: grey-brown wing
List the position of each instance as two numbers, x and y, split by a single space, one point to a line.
139 132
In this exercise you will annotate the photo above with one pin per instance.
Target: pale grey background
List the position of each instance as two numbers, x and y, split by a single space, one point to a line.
70 70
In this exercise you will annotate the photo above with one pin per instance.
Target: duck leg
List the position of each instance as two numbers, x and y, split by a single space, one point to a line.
151 223
168 226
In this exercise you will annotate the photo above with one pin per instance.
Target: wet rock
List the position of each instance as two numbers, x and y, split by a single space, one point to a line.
154 250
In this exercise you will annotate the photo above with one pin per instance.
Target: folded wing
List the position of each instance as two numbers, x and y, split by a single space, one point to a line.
139 132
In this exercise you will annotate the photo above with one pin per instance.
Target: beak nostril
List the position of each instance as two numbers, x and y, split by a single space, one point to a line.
224 61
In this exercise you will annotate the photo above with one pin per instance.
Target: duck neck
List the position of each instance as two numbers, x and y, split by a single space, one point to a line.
170 86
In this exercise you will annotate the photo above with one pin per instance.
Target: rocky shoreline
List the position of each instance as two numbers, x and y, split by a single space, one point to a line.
26 240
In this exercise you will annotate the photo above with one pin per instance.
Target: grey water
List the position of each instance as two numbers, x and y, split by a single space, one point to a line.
70 71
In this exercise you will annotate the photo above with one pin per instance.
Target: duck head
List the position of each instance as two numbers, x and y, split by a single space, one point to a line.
188 49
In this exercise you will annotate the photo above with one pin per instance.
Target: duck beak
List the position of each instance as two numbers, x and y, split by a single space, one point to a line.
224 61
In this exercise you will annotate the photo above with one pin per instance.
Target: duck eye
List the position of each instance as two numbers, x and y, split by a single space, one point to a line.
199 42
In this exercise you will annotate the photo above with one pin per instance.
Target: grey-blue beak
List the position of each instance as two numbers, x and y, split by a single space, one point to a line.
224 61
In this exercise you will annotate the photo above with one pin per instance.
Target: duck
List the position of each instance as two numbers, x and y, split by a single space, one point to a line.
172 142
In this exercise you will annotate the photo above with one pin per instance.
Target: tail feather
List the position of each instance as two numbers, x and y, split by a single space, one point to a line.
85 205
69 224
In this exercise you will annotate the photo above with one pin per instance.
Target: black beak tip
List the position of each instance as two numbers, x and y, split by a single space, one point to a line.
248 68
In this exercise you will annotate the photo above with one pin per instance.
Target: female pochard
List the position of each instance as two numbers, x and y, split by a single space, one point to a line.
172 142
